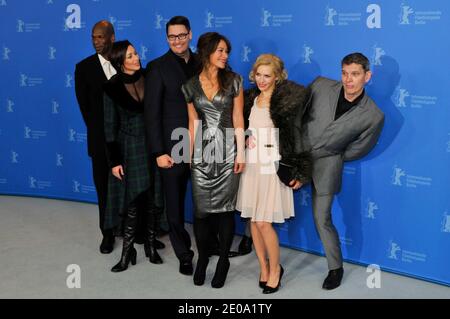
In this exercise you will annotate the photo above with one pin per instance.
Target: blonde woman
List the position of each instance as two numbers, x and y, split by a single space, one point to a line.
275 164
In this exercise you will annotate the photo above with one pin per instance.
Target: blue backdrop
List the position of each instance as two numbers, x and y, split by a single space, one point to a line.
394 208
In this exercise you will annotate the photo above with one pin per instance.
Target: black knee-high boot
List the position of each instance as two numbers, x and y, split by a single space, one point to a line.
226 234
129 232
202 233
151 229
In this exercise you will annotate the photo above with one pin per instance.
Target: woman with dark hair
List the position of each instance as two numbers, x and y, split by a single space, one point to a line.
276 164
132 169
215 104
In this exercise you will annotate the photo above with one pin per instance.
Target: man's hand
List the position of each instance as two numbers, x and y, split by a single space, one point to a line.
164 161
117 171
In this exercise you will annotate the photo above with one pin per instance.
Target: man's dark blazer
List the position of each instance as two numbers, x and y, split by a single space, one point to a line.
165 106
165 110
89 79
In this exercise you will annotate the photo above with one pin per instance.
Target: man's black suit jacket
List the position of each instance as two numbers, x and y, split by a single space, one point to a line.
165 107
89 79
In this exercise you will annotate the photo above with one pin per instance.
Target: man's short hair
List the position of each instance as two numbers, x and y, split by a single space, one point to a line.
357 58
178 20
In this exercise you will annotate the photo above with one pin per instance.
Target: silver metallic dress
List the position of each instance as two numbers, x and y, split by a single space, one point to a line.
214 184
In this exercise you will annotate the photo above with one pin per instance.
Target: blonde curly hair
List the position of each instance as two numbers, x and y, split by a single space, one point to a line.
275 62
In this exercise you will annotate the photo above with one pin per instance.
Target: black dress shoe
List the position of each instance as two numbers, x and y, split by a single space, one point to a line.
186 268
271 290
107 245
245 246
333 279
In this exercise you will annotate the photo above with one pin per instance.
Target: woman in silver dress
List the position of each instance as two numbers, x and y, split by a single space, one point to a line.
216 127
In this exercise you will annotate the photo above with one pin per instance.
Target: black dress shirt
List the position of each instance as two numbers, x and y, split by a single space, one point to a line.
189 68
344 105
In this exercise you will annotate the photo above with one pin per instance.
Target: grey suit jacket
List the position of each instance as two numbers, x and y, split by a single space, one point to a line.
331 142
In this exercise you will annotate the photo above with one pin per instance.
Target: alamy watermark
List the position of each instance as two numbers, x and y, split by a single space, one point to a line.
74 278
214 146
374 279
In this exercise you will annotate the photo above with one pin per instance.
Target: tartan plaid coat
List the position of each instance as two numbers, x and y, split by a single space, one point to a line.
126 146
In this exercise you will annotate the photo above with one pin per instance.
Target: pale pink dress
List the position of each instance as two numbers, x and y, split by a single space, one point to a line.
261 195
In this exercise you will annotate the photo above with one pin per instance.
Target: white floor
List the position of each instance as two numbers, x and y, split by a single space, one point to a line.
41 238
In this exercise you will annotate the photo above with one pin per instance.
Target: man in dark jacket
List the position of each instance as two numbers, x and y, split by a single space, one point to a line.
90 74
165 110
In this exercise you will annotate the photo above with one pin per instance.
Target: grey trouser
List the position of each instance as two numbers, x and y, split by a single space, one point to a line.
327 232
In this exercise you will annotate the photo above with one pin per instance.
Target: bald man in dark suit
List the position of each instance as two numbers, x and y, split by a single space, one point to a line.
90 74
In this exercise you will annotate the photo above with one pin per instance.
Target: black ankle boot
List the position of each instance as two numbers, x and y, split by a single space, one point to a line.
200 271
150 242
128 251
152 253
221 273
123 263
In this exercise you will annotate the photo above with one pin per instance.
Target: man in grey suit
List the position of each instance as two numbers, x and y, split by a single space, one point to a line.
342 124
